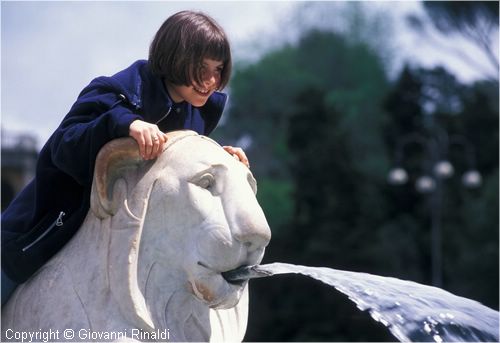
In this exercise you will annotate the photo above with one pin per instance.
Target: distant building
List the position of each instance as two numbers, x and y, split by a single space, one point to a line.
19 154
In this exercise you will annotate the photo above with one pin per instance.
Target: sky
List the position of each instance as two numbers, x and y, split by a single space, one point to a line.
51 50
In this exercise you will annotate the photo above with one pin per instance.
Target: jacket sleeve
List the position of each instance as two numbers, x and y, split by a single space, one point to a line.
97 117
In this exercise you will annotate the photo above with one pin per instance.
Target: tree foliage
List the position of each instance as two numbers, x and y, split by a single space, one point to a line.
464 16
475 21
324 122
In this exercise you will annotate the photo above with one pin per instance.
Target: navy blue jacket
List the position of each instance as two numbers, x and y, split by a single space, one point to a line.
50 209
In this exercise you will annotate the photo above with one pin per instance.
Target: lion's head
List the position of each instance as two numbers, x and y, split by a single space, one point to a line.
178 222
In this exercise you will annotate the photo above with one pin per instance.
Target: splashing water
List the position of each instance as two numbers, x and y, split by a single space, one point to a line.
411 311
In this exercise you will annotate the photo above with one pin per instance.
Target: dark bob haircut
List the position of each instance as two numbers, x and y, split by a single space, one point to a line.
182 42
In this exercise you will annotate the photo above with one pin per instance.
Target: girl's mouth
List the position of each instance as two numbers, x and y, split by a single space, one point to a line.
201 91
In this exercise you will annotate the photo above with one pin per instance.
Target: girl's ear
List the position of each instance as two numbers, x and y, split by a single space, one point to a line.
113 161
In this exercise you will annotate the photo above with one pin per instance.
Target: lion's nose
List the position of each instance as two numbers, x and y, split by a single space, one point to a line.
252 236
250 228
246 219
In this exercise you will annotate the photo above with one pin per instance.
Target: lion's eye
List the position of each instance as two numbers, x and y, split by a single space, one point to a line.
206 181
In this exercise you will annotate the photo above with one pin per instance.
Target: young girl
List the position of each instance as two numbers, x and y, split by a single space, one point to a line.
177 88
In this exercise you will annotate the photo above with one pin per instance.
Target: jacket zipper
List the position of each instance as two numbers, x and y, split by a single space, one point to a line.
165 116
121 98
57 222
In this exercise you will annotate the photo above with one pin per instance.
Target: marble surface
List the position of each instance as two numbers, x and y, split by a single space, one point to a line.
147 262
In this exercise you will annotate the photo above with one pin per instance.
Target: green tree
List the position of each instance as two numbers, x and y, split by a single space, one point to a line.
421 100
262 100
321 122
316 128
475 21
345 216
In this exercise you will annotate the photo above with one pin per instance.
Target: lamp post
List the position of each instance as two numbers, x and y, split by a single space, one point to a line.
435 169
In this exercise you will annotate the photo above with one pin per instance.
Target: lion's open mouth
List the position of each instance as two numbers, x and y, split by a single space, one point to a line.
237 276
209 285
245 273
235 281
233 276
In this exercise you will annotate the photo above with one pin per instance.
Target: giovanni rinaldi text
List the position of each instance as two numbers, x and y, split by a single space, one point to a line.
84 335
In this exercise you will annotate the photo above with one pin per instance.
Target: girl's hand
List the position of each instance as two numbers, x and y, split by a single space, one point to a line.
149 137
237 153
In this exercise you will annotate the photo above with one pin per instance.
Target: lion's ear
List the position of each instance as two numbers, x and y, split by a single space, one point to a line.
112 162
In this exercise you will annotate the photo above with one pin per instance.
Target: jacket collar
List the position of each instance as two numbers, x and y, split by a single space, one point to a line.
132 81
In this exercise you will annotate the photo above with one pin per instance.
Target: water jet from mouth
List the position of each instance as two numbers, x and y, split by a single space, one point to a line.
411 311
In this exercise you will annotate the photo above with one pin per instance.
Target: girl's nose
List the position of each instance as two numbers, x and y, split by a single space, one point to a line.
210 80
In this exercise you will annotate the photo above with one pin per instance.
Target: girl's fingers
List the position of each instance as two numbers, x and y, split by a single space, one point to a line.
150 139
242 157
141 142
156 145
148 145
163 141
238 153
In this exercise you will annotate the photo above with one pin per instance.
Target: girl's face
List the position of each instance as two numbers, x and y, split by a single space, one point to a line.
197 94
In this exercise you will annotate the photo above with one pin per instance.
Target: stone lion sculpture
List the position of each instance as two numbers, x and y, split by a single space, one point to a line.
147 262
